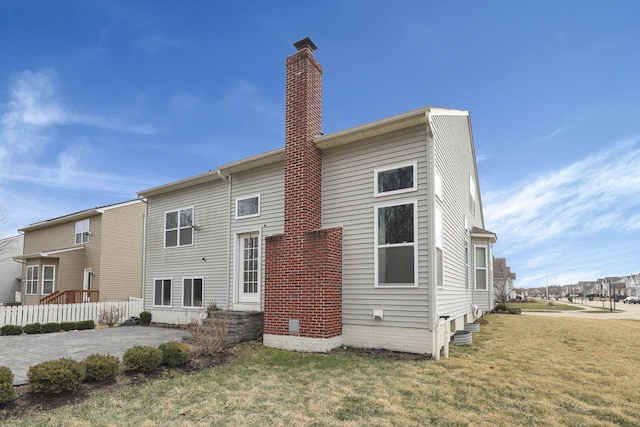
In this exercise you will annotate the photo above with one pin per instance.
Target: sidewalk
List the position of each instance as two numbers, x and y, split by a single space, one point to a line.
593 310
18 353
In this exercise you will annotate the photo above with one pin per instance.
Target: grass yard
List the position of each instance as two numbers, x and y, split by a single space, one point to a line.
534 304
520 370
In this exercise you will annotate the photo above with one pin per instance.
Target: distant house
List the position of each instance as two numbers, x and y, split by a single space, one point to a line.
369 237
10 270
91 255
503 279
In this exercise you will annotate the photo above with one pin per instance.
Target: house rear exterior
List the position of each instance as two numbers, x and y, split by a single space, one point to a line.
10 270
88 256
369 237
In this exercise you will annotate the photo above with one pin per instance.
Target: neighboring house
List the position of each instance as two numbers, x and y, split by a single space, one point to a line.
503 279
632 285
10 270
368 237
91 255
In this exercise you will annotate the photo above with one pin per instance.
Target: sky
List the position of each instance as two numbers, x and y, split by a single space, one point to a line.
102 99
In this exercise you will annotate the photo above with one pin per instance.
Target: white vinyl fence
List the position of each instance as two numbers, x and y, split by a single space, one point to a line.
47 313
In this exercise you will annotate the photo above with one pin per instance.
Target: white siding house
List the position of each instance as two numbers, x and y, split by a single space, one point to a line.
414 260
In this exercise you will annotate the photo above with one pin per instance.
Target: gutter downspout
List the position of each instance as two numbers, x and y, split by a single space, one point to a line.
227 178
144 247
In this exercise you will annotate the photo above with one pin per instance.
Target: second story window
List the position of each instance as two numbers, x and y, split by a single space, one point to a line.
82 231
178 228
394 180
248 207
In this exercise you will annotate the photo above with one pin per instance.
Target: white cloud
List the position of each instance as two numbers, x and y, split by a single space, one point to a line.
560 223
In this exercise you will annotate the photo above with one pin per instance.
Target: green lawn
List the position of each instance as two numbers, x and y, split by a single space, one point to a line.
519 371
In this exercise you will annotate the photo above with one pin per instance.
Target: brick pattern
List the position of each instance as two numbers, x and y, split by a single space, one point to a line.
303 267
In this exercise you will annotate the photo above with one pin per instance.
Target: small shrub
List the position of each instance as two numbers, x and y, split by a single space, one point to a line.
7 393
142 358
501 307
101 367
69 326
145 318
175 353
110 315
56 376
86 324
208 335
33 328
11 330
48 328
211 308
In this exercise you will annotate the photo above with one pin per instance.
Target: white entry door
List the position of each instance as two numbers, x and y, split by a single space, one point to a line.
86 284
248 267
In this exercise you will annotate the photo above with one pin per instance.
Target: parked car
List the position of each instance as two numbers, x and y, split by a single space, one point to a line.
631 300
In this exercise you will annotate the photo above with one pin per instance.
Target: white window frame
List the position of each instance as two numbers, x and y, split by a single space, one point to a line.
248 300
467 256
485 268
82 232
192 227
377 171
240 199
377 246
53 279
32 283
437 185
163 279
192 279
439 238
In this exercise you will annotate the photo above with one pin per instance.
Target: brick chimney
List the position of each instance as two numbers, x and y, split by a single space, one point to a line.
303 161
303 266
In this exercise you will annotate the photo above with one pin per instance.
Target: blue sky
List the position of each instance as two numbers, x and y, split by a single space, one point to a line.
101 99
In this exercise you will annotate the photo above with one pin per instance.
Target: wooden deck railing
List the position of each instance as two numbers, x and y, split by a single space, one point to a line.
72 296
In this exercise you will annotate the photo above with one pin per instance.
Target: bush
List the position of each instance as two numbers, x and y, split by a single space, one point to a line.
101 367
7 393
56 376
33 328
68 326
208 335
110 315
48 328
11 330
142 358
86 324
175 353
501 307
145 318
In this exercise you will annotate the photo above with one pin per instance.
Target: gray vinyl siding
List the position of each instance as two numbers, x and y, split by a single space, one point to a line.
268 182
348 202
10 270
454 160
206 258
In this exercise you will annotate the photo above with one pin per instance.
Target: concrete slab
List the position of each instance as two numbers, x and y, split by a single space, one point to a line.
20 352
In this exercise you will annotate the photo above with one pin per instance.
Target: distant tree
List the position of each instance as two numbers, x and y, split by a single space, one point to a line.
502 280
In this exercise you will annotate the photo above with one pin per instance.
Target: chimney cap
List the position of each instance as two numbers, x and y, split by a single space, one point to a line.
306 42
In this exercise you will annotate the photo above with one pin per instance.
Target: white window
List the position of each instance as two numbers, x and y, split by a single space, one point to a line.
439 249
192 292
48 279
398 179
248 268
32 280
472 194
437 184
162 293
481 268
248 207
395 245
178 228
466 253
82 231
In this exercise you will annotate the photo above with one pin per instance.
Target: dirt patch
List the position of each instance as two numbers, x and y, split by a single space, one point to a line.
27 404
377 353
